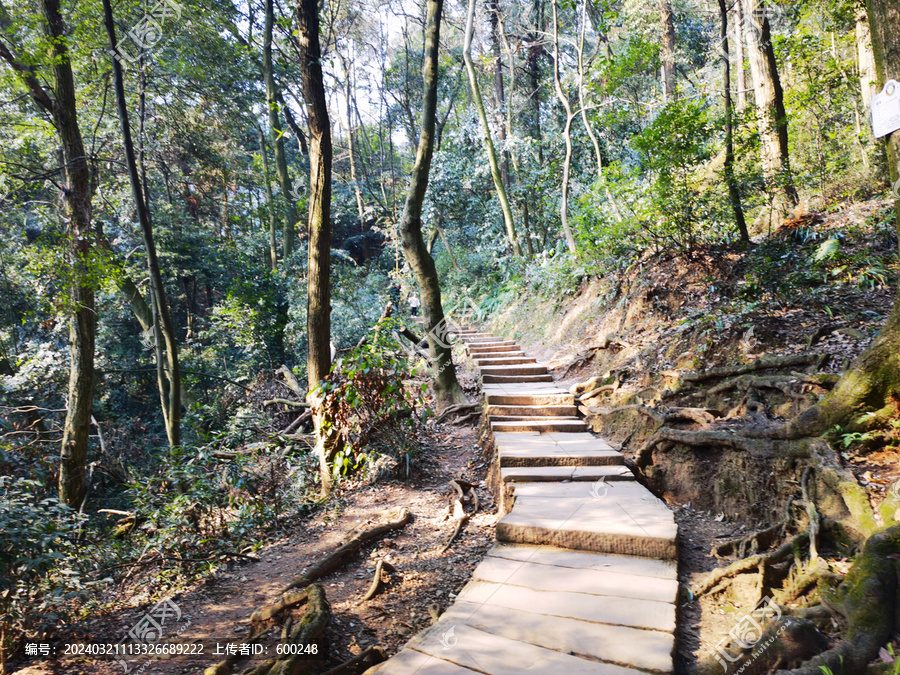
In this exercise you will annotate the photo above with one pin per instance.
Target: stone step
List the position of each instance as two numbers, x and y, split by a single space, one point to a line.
563 557
504 361
469 340
515 379
550 474
484 652
643 649
536 369
496 355
542 450
621 517
565 425
533 410
524 396
477 349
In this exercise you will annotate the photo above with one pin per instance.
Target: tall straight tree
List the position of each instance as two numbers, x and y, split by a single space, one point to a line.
773 124
486 130
446 388
318 304
277 132
60 103
167 366
734 194
667 23
567 135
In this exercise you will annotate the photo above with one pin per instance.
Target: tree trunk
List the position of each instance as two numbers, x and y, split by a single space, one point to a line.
447 391
60 103
533 68
773 127
354 176
318 320
270 200
667 24
734 193
868 75
567 135
741 83
486 129
170 373
493 8
290 217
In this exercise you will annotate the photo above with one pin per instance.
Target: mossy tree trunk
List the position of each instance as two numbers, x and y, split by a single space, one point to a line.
446 388
318 320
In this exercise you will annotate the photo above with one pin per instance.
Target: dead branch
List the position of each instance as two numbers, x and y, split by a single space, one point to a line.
753 562
291 381
287 402
339 557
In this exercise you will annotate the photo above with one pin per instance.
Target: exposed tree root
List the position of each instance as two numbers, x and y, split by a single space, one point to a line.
368 657
749 544
724 574
339 557
762 363
868 598
380 566
263 614
463 409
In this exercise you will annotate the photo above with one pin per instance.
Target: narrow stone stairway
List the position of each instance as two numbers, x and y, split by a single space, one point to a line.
582 578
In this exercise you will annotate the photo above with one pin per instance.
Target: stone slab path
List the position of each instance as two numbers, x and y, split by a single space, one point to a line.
582 579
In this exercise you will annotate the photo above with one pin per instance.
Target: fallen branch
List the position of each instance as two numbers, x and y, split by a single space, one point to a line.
337 559
287 402
291 381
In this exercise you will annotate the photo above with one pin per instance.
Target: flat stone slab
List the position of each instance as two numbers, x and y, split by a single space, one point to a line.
497 655
547 425
535 449
525 394
549 474
646 614
644 649
515 379
533 410
504 361
409 661
593 581
616 517
563 557
480 349
524 369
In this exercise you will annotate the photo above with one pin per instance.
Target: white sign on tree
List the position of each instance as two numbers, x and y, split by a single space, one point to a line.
886 109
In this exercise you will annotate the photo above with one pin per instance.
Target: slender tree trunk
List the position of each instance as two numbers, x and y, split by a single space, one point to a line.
60 103
446 388
773 124
493 8
354 175
588 127
533 68
290 218
76 199
734 193
741 83
318 321
486 129
667 24
270 200
567 135
167 364
868 75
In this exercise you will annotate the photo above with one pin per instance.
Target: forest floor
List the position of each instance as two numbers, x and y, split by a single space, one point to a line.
219 608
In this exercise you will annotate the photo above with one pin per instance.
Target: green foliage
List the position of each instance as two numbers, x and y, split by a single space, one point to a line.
39 568
372 401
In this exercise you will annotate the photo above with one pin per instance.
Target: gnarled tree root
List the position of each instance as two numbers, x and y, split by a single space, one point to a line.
868 599
335 560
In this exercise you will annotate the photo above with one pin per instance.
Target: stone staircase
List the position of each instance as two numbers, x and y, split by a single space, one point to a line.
583 576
